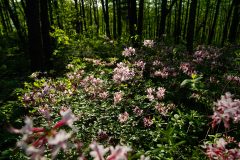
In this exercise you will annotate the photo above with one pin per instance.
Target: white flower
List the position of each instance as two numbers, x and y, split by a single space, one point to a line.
98 151
68 117
148 43
117 97
123 117
160 92
122 73
118 153
59 141
128 52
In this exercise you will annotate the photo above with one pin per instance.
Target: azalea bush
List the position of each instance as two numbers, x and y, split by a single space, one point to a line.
147 102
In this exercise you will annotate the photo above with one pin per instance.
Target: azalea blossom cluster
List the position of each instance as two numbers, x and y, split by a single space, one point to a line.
36 140
187 68
148 43
116 153
94 87
139 67
234 79
220 151
122 73
98 62
117 97
165 72
225 109
128 52
164 109
46 93
152 93
75 77
147 121
123 117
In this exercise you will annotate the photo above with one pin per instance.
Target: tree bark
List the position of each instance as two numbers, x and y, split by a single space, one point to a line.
205 21
140 18
119 19
36 51
45 30
77 16
15 20
226 25
235 22
191 25
164 12
132 17
178 25
95 14
114 20
106 16
55 3
211 34
83 16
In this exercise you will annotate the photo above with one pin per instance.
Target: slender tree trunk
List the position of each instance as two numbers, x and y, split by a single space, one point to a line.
77 16
235 22
178 26
3 21
95 14
106 16
191 25
55 3
119 19
23 3
34 35
51 12
164 13
132 16
15 20
211 34
163 18
90 13
140 18
45 30
226 25
203 37
83 15
114 20
186 20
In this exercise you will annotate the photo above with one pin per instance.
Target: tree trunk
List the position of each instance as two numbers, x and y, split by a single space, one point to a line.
51 12
164 13
191 25
15 20
77 16
3 21
34 35
211 34
235 22
178 26
140 18
83 15
163 18
186 20
205 21
106 16
55 3
119 19
132 17
226 25
95 14
45 29
114 20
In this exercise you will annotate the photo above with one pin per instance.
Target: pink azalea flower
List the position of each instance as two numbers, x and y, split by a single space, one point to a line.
123 117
